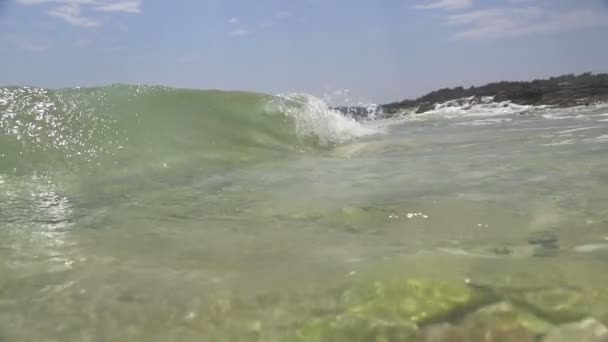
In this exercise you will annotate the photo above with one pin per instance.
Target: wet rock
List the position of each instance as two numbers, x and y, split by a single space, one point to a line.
499 322
557 305
496 330
444 332
390 311
418 301
479 328
544 238
546 251
505 314
128 297
562 91
350 328
502 250
588 330
425 107
546 243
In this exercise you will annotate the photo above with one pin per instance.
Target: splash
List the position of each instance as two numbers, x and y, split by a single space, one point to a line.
314 120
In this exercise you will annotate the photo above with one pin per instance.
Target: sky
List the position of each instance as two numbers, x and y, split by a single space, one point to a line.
358 50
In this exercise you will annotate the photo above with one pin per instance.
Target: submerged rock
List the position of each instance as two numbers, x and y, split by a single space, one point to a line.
505 314
497 330
499 322
444 332
391 311
416 300
588 330
350 328
545 238
558 305
503 250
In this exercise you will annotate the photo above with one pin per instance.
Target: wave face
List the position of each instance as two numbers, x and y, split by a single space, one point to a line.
114 127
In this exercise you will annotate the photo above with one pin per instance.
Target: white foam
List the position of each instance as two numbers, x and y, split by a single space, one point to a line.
590 248
564 142
579 129
470 107
485 122
561 116
599 139
313 118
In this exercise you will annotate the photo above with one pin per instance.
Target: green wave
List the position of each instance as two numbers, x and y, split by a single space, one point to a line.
120 126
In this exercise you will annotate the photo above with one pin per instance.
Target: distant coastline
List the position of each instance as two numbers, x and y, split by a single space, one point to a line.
562 91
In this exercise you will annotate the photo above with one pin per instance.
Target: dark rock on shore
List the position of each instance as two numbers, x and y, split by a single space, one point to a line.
562 91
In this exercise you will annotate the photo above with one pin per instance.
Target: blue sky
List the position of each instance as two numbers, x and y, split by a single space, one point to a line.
380 50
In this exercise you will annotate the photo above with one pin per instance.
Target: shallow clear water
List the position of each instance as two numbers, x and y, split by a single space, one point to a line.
172 251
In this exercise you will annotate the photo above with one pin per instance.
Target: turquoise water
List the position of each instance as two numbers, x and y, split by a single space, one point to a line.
134 213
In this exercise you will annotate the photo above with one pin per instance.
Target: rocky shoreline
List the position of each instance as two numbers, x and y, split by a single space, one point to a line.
561 91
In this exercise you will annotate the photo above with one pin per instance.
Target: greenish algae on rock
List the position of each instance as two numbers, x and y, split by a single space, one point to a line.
419 301
391 311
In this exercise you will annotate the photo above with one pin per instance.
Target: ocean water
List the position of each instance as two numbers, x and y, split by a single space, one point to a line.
133 213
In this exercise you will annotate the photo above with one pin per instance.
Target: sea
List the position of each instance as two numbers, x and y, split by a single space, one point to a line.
147 213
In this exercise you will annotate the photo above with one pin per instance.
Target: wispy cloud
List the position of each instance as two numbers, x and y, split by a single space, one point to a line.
445 4
233 21
71 14
26 44
79 12
133 6
239 32
498 23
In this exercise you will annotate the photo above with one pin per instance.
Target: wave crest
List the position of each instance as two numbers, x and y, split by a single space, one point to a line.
313 119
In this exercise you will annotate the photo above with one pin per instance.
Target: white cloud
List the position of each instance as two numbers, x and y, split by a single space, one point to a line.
71 14
120 6
233 21
37 2
71 11
239 32
498 23
446 4
25 44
